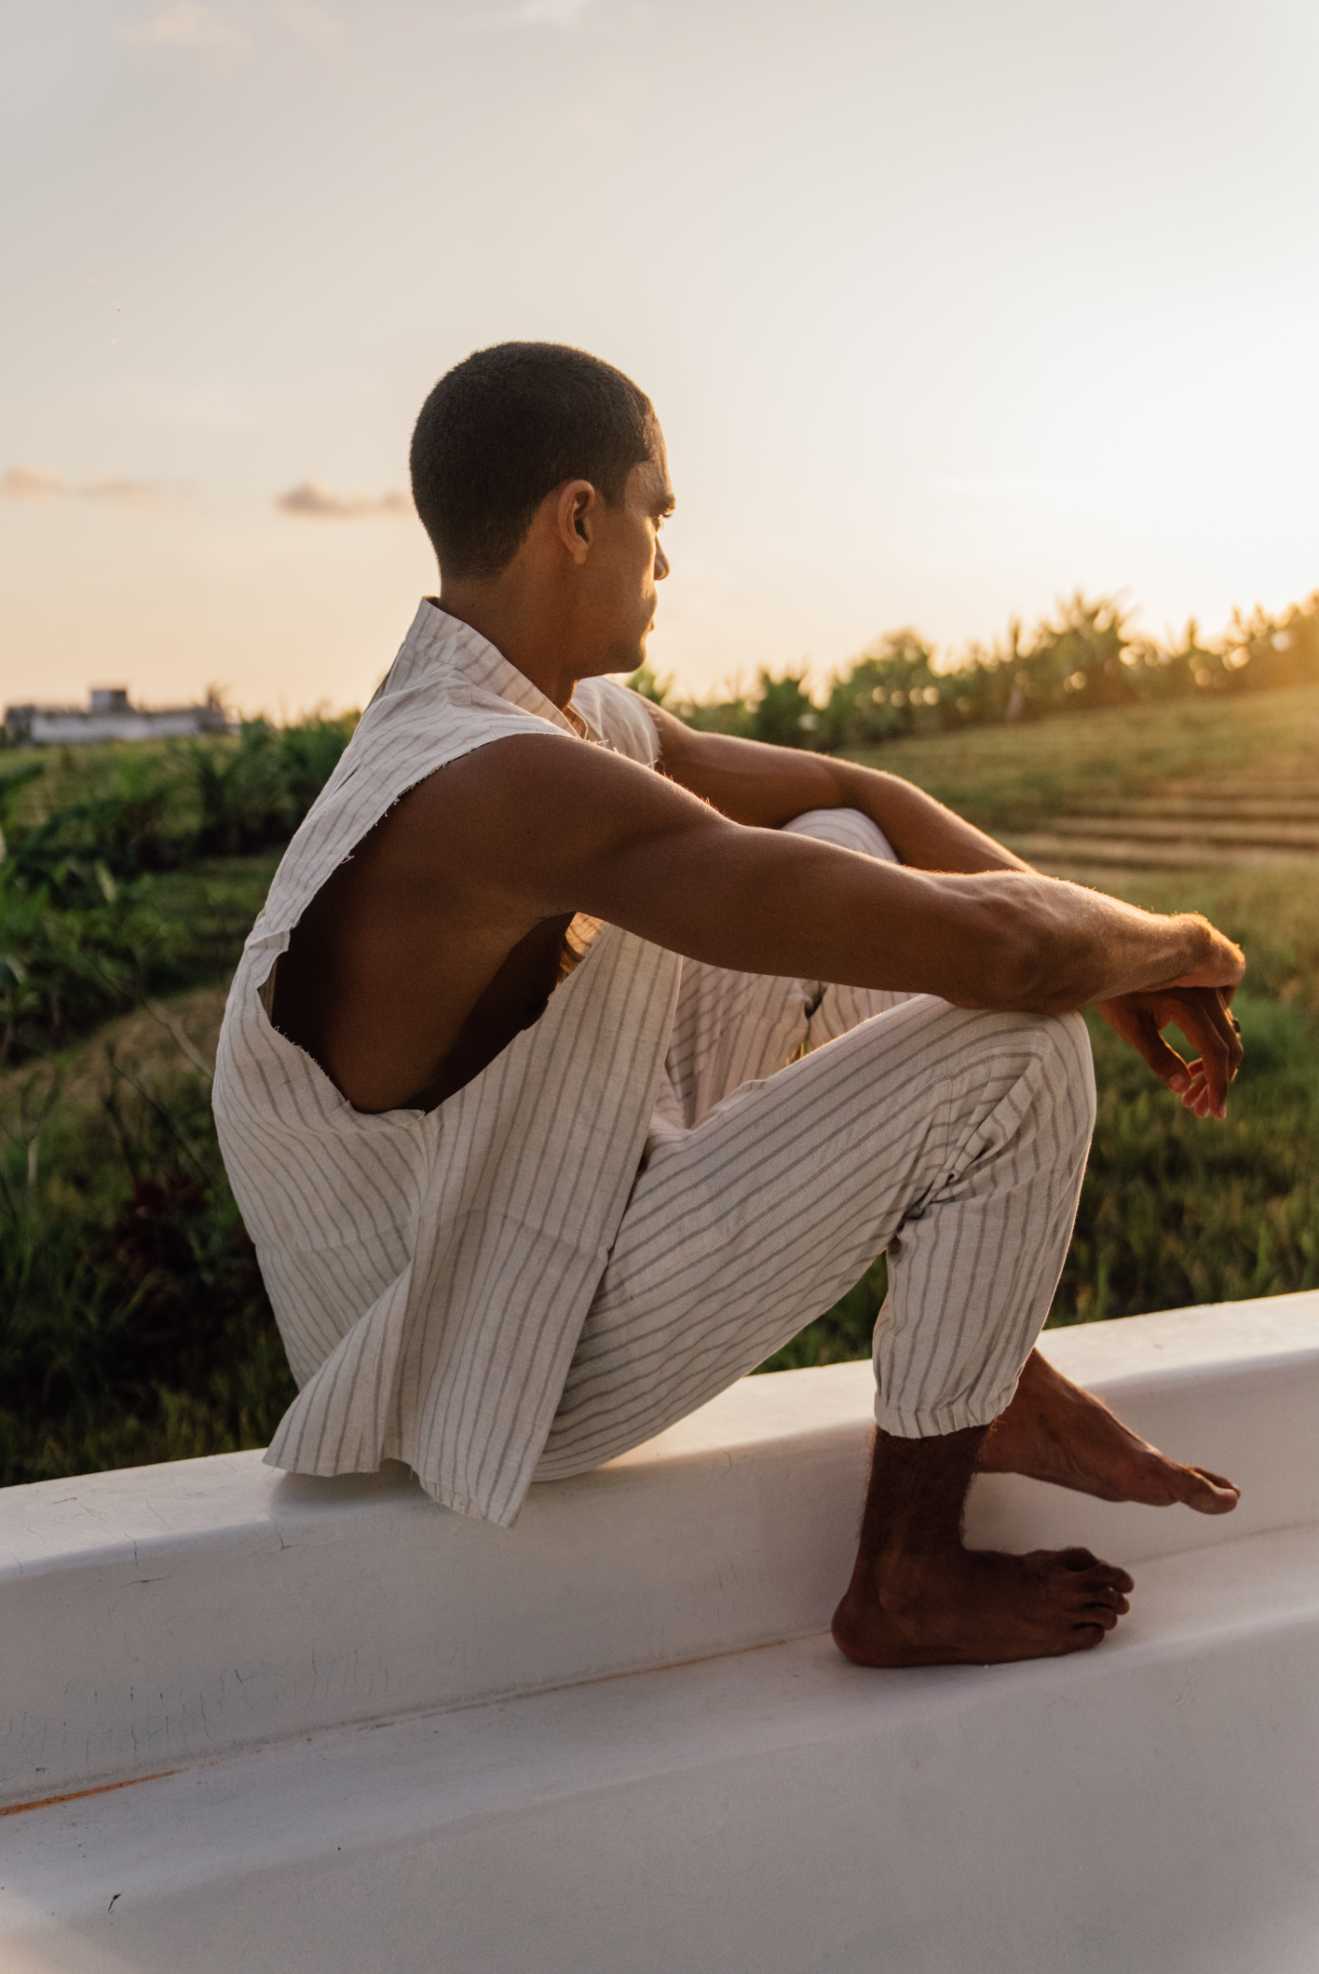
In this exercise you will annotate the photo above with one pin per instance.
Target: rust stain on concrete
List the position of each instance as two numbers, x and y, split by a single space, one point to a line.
74 1795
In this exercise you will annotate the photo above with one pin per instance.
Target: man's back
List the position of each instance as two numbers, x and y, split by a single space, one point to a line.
408 973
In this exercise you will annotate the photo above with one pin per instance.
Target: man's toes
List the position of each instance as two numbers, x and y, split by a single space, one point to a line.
1212 1494
1111 1573
1092 1591
1098 1614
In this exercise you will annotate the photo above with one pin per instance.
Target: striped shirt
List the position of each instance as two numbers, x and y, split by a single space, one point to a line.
430 1271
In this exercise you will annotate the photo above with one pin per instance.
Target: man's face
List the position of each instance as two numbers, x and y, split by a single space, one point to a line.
626 563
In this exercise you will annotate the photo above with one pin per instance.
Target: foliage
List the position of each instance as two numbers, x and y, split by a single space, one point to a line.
138 1327
1087 657
11 786
258 793
783 714
883 695
145 806
124 826
83 945
103 896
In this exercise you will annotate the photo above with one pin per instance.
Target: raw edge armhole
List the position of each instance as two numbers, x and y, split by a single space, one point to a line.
280 937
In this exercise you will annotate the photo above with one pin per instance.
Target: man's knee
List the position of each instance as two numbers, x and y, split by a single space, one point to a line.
851 829
1066 1081
1023 1076
1075 1060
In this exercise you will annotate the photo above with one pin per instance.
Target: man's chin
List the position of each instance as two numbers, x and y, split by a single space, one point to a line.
625 658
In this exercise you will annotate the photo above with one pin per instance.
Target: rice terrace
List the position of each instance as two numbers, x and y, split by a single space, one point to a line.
139 1330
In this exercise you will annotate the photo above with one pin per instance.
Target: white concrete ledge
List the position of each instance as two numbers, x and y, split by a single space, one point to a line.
1145 1806
155 1615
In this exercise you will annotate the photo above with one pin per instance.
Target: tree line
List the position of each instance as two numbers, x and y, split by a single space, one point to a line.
1086 655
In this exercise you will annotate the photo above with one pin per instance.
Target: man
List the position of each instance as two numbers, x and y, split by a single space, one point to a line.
562 1080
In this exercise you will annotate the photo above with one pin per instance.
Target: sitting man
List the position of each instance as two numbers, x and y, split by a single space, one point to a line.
561 1088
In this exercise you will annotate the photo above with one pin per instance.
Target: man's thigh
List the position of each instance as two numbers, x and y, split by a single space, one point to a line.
742 1231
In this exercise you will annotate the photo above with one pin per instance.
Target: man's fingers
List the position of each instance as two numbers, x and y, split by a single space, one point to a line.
1161 1058
1227 1027
1196 1099
1203 1020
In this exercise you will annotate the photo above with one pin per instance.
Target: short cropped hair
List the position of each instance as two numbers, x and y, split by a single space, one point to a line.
506 426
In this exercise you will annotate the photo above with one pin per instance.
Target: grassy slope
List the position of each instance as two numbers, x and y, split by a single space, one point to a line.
1004 776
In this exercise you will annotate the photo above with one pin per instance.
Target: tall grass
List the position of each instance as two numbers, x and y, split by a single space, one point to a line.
137 1325
84 945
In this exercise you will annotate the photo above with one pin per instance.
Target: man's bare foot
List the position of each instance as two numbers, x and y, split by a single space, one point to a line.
1057 1431
978 1607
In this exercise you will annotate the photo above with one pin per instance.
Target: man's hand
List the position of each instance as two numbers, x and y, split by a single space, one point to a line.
1205 1018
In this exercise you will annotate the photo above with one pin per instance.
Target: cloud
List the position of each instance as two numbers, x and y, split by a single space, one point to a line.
187 24
32 483
527 13
319 504
549 13
199 27
308 21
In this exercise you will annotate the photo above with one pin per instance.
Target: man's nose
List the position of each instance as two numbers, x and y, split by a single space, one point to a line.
661 564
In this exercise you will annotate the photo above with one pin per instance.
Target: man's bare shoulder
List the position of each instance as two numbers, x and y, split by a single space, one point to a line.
535 814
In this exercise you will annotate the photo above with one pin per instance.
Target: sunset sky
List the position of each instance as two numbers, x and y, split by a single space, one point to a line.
947 310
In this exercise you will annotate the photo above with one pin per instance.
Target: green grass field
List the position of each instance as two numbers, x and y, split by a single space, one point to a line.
138 1328
1019 775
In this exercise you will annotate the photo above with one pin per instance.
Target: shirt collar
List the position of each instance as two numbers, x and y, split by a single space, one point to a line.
438 637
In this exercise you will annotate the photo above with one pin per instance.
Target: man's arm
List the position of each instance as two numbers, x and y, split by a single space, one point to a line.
753 782
539 826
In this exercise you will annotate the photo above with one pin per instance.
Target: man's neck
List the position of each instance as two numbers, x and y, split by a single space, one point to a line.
505 623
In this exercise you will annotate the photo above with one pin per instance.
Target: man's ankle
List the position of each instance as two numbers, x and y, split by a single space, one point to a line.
913 1512
899 1575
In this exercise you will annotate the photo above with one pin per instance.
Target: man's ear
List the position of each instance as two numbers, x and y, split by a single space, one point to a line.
574 515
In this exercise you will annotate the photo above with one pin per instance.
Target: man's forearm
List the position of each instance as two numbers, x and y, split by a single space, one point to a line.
1091 947
923 832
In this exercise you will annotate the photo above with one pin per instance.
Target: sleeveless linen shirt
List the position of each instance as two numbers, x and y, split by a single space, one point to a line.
430 1271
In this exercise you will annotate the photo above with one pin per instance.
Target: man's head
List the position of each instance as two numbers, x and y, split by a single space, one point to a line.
539 473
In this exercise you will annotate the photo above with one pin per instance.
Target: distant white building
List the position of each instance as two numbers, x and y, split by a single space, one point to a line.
110 716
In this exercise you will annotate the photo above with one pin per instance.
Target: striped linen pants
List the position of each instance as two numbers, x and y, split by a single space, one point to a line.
805 1128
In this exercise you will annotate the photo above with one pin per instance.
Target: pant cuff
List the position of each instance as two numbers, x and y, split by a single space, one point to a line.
928 1421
